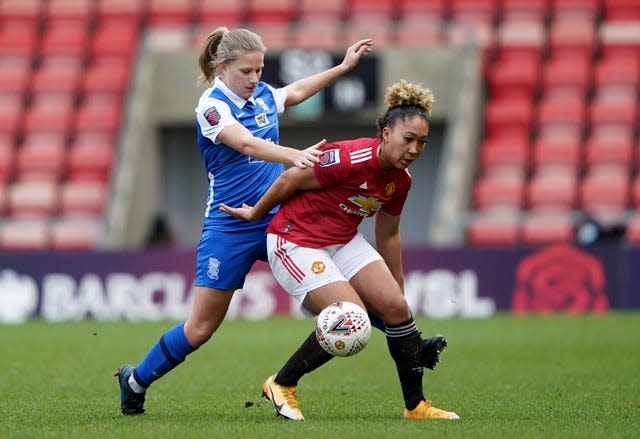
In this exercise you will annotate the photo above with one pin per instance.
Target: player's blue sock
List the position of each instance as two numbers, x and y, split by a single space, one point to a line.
167 353
376 321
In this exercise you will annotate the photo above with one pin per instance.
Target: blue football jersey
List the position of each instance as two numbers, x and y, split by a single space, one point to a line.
235 178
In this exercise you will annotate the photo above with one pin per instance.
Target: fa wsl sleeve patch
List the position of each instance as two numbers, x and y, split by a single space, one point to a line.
329 158
212 116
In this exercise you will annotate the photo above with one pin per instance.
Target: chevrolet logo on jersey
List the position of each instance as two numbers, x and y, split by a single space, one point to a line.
370 205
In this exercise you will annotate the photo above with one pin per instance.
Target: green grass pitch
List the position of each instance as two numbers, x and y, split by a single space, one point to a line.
507 377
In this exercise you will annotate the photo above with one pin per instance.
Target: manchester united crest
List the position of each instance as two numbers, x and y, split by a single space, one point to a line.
317 267
390 189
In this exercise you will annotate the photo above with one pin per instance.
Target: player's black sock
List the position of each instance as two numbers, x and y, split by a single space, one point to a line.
405 345
307 358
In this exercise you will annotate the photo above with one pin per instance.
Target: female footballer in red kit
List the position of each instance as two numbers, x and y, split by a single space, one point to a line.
318 256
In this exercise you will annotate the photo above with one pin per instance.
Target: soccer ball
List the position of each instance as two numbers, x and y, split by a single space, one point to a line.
343 329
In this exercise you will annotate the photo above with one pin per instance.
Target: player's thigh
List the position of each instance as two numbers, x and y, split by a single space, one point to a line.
380 293
318 299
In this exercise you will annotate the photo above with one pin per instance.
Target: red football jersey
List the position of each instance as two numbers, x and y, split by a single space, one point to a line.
354 186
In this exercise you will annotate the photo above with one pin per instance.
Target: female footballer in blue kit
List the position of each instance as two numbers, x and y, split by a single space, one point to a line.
237 127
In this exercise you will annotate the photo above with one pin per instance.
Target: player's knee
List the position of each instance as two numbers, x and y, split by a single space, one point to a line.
199 333
396 310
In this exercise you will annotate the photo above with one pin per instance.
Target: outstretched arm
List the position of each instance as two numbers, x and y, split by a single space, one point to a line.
290 181
304 88
389 243
241 139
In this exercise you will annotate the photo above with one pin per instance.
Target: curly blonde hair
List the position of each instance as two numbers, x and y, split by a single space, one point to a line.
405 99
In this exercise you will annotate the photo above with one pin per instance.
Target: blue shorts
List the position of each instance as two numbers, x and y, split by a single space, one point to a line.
223 259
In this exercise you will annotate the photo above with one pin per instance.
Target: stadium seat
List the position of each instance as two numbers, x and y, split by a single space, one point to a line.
561 116
514 77
83 198
540 228
170 13
620 38
25 235
270 11
425 10
213 13
572 38
418 31
275 35
41 161
502 153
635 192
61 38
32 199
376 27
360 9
22 13
59 78
521 40
128 12
555 191
621 10
508 116
317 33
69 12
11 113
567 75
90 161
499 191
633 229
98 116
557 154
618 74
110 76
493 228
18 40
75 234
574 9
14 80
117 39
614 109
475 11
526 11
3 193
48 117
605 191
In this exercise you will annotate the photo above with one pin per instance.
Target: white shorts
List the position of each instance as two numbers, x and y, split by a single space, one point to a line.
302 269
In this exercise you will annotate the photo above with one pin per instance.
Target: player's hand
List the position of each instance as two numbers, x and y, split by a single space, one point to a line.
245 212
357 51
307 157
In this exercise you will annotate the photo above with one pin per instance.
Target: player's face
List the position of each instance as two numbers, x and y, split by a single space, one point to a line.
404 142
243 74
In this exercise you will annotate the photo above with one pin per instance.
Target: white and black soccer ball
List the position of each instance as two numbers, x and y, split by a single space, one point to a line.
343 329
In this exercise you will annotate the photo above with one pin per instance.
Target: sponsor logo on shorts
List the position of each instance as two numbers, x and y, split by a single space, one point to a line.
317 267
214 268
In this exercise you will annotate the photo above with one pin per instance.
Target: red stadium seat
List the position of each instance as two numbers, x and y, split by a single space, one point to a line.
48 117
493 228
75 234
115 39
377 8
18 40
33 199
22 13
271 11
574 9
572 38
7 157
61 38
561 116
11 113
14 80
614 109
603 151
172 13
605 191
525 10
25 235
505 152
620 38
617 72
3 194
475 11
276 35
541 228
120 11
106 77
83 198
419 31
499 191
514 77
555 191
70 11
567 76
621 10
61 78
635 192
426 10
214 13
90 161
508 116
98 116
317 33
521 40
378 28
41 161
557 154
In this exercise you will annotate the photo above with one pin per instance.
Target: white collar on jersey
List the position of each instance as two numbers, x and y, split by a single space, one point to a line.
237 100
